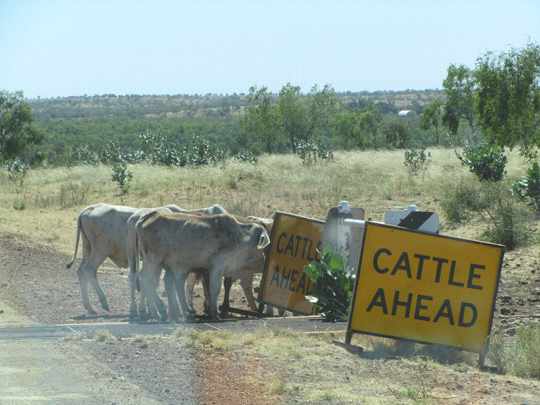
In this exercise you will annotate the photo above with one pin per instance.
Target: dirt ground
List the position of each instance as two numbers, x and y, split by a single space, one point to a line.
36 288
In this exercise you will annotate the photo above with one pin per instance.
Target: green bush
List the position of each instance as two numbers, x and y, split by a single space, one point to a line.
122 176
509 220
245 155
528 187
522 356
487 163
461 201
417 160
113 153
16 170
333 285
82 155
311 150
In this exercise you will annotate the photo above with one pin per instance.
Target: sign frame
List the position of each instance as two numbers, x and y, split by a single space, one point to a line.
298 276
355 313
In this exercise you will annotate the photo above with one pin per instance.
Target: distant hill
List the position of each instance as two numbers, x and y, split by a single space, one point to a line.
196 106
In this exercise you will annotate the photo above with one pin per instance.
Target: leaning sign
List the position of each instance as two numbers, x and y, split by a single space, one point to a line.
295 241
424 287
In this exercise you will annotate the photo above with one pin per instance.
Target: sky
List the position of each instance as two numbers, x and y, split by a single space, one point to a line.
52 49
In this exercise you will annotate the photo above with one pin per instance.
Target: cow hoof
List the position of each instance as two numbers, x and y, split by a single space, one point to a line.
91 311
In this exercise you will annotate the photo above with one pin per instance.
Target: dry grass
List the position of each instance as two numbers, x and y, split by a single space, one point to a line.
45 208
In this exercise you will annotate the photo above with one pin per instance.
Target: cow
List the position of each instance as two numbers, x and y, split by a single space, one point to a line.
133 257
102 228
180 242
245 275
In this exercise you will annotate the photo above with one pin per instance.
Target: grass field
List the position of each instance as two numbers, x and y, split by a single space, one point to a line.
45 207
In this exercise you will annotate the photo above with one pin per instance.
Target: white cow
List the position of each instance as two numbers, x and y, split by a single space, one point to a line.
133 257
102 229
180 242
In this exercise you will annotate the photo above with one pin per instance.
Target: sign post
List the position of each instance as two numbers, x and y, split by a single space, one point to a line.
424 287
295 241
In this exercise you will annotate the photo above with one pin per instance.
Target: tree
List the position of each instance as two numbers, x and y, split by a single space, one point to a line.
370 120
397 135
300 117
261 118
17 130
347 123
431 117
508 97
294 116
460 99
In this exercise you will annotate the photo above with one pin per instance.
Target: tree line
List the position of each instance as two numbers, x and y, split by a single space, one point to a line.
497 102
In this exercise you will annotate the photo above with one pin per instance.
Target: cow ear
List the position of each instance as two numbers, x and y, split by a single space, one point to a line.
262 238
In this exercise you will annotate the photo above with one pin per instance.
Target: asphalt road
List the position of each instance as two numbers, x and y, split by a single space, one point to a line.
127 330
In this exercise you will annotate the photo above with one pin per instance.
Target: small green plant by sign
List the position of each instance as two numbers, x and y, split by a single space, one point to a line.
122 176
332 292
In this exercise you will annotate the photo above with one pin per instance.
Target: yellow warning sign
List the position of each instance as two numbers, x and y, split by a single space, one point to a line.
295 242
425 287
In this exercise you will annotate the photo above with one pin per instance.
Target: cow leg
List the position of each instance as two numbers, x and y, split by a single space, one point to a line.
181 277
83 284
170 289
148 286
190 286
225 307
87 272
247 285
132 289
193 276
143 302
215 285
206 287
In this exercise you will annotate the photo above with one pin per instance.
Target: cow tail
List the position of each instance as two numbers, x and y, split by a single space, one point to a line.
138 255
135 269
79 226
137 261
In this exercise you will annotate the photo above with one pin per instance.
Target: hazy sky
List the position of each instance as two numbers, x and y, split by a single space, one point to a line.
72 48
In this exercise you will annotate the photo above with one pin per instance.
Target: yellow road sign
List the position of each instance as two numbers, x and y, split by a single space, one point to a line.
425 287
295 241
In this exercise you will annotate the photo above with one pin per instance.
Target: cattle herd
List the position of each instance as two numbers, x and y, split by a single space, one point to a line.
207 244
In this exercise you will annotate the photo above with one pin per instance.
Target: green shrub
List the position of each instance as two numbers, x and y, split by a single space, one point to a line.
495 201
528 187
461 201
203 153
507 220
311 150
16 170
113 153
122 176
333 285
486 163
245 155
82 155
417 160
522 356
